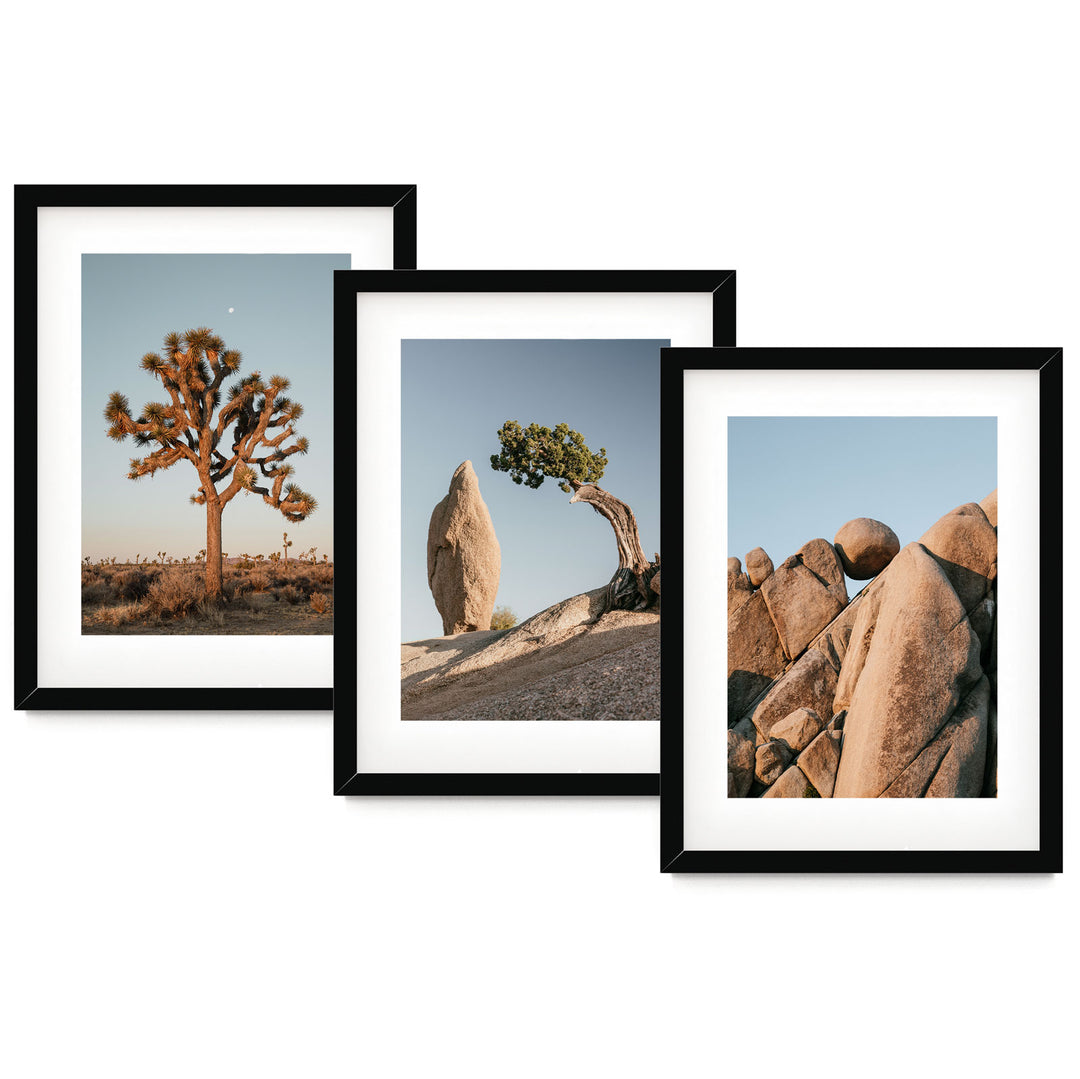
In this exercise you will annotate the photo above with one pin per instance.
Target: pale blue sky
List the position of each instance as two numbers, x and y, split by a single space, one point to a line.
281 322
793 479
455 397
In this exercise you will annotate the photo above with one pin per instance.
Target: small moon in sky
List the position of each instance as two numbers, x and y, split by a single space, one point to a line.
231 310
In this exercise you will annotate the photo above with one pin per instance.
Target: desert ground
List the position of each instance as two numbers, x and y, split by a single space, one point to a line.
261 597
565 663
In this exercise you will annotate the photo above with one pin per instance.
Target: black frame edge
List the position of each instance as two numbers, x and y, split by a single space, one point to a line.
347 780
28 199
1048 858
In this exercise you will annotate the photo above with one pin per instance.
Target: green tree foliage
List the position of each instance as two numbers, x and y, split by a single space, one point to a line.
536 452
503 618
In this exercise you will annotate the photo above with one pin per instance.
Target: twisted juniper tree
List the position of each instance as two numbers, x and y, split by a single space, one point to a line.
194 426
536 452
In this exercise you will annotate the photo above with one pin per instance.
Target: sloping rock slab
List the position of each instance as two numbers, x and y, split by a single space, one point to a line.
921 661
755 657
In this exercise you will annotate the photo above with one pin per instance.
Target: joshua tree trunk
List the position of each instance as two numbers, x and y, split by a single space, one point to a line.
213 546
628 589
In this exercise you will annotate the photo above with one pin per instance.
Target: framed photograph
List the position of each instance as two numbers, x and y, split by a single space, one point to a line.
174 462
506 640
884 631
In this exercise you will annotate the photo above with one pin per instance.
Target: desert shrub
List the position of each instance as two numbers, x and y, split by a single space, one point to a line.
133 583
260 582
117 616
503 618
98 593
174 594
211 612
290 594
243 599
320 603
303 582
322 575
240 586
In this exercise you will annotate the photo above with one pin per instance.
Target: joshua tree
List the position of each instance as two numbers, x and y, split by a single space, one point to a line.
537 452
287 543
193 424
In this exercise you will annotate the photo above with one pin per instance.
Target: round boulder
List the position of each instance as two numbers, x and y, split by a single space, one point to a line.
865 547
758 566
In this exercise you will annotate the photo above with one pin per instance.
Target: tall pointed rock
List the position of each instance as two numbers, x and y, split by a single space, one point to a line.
463 557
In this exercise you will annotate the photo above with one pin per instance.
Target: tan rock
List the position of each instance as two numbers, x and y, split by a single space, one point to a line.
983 618
921 661
964 544
810 683
463 557
755 657
865 547
989 507
742 759
862 632
739 589
953 765
758 566
800 603
797 729
820 557
770 761
791 784
654 583
820 760
835 638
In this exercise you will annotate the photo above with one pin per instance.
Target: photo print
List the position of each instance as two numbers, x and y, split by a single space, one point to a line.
517 603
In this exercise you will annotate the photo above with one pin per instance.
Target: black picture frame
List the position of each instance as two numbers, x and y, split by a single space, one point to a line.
1047 362
348 779
29 200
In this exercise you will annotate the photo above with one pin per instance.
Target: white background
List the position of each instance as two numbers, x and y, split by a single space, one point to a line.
181 894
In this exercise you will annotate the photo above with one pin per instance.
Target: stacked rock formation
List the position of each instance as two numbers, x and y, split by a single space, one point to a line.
463 556
893 695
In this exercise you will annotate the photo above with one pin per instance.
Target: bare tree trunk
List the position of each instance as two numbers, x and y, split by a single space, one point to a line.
628 588
213 548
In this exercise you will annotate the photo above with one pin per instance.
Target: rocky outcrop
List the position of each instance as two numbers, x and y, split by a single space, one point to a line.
463 557
893 695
